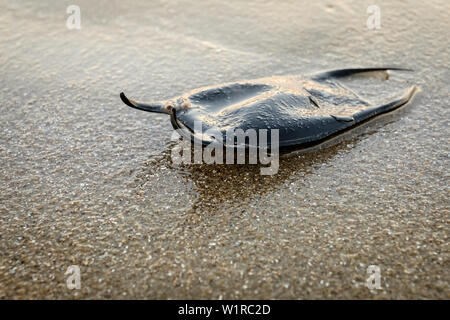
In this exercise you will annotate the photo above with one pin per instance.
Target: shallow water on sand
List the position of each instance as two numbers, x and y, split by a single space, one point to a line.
87 181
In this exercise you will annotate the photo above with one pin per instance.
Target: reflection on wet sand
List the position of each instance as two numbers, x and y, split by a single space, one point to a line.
233 185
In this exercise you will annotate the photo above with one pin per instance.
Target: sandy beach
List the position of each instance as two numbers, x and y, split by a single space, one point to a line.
87 181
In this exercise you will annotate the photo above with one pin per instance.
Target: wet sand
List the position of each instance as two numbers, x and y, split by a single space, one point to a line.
87 181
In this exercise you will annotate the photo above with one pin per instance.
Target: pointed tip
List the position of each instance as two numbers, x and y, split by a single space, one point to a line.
126 100
401 69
